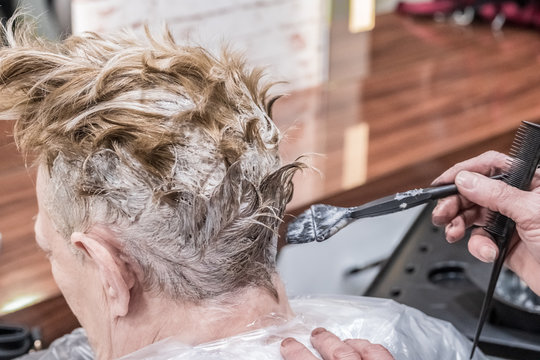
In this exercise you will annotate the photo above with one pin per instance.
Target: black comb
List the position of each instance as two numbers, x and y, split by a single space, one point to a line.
524 159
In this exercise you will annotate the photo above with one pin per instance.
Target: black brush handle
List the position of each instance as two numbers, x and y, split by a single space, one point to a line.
439 192
405 200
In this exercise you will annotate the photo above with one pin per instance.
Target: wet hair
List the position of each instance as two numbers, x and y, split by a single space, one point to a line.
167 146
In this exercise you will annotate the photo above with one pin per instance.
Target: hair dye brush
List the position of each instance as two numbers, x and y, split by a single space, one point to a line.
320 221
525 156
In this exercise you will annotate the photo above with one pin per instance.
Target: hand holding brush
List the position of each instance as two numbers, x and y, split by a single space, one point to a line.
509 208
479 194
503 207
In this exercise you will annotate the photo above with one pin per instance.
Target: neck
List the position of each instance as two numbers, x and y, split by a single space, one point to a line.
152 319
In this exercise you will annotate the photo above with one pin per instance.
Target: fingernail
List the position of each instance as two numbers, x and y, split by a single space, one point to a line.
437 220
436 181
488 253
318 331
450 238
466 180
288 341
436 216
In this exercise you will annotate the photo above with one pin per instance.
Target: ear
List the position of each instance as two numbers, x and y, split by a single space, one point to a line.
116 275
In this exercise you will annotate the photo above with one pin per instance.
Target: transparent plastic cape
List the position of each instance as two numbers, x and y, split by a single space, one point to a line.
72 346
406 332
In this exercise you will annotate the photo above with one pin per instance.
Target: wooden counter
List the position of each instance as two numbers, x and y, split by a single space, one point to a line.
429 95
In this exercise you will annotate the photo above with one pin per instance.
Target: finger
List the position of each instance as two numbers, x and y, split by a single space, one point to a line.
521 206
482 247
456 229
487 163
445 211
448 208
369 351
331 347
293 350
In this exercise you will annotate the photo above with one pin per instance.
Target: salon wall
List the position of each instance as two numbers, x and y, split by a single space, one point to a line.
290 37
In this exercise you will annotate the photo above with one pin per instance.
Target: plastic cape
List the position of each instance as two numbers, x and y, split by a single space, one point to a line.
72 346
406 332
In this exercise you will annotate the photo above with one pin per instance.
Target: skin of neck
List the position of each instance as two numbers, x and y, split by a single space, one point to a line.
152 318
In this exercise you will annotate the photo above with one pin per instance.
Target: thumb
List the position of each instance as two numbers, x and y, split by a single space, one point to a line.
495 195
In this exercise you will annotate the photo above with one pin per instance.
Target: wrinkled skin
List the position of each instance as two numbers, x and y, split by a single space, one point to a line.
477 194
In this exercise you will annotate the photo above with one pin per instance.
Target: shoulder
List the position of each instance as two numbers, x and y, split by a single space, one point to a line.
403 330
73 346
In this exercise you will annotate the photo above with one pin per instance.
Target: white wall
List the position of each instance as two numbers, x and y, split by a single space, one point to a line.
288 36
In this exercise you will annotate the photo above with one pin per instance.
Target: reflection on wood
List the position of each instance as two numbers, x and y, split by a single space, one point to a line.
355 151
430 89
429 94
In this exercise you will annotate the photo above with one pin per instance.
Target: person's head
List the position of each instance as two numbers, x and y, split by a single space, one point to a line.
161 155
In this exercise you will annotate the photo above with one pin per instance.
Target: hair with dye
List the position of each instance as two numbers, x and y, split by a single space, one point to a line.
169 147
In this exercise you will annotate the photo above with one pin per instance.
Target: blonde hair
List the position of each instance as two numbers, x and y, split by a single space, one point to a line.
169 147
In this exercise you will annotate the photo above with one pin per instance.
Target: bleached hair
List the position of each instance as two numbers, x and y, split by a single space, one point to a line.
170 148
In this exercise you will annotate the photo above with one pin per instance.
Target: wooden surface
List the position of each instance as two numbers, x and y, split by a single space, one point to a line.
25 278
403 103
429 90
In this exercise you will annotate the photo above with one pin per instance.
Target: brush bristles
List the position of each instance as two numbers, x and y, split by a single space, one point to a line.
302 230
522 164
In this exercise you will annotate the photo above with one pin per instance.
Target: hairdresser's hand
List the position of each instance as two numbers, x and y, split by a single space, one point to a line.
479 193
332 348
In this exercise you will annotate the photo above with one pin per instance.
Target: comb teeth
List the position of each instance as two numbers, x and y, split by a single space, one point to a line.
524 153
497 225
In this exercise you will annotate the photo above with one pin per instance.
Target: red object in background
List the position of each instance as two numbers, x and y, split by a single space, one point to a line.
427 8
514 13
432 7
527 14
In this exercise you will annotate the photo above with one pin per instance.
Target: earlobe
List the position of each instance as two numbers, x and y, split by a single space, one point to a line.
114 273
